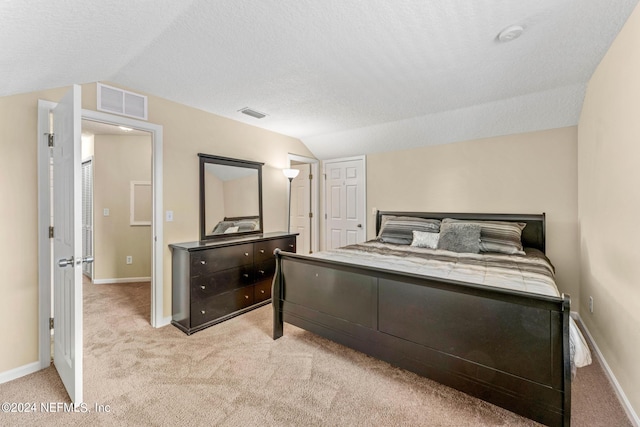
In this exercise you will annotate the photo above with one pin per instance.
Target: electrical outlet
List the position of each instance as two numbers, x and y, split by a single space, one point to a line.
105 212
169 216
129 259
590 304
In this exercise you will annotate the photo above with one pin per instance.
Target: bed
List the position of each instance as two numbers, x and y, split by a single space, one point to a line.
510 347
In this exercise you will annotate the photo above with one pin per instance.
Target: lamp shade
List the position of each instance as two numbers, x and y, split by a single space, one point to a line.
290 173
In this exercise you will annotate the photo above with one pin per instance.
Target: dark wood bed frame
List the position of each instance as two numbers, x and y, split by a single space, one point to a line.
506 347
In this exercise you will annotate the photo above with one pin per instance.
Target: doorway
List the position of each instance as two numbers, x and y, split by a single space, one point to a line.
44 245
117 215
304 218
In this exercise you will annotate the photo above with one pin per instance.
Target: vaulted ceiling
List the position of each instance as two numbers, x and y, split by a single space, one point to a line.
344 76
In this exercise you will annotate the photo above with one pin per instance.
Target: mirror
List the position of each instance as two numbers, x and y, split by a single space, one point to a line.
230 197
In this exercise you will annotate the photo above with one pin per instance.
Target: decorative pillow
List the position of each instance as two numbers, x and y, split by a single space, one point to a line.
497 236
247 225
221 227
231 230
459 237
399 229
423 239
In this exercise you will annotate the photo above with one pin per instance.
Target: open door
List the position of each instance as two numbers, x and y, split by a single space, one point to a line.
67 242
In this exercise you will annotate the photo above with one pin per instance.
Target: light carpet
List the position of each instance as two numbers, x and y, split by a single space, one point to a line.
234 374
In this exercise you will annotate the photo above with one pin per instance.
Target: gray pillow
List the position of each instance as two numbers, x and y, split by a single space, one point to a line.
399 229
497 236
221 227
459 237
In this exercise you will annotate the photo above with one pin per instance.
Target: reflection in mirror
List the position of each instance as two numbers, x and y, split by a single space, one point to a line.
231 199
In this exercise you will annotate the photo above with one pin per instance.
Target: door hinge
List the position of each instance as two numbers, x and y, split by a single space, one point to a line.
50 322
310 176
325 216
51 231
310 214
50 138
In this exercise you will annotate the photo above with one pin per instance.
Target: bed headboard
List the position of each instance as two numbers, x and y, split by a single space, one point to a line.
533 235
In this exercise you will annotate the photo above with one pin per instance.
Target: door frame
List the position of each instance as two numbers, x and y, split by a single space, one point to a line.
44 243
315 191
362 158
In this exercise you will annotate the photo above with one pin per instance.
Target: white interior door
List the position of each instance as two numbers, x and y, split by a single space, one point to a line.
67 243
301 208
345 202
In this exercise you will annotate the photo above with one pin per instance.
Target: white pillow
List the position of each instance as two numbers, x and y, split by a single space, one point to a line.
231 230
424 239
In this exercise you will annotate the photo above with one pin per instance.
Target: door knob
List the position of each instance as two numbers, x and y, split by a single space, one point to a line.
87 259
359 225
66 262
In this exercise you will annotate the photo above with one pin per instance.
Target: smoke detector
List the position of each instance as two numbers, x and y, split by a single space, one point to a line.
510 33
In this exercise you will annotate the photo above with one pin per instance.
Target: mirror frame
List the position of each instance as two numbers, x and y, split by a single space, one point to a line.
208 158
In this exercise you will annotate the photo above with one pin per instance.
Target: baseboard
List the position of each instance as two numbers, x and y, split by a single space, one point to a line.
165 321
19 372
622 397
121 280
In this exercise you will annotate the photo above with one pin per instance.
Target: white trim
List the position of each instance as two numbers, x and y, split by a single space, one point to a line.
44 243
157 253
21 371
164 322
622 397
324 191
121 280
315 191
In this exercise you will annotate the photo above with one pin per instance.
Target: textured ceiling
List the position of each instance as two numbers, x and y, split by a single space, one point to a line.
347 77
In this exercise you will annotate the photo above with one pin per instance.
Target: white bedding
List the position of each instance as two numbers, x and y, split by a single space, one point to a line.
531 273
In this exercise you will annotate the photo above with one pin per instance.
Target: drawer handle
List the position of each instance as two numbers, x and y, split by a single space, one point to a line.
262 291
246 296
203 287
202 311
261 251
291 246
245 275
246 254
203 262
261 271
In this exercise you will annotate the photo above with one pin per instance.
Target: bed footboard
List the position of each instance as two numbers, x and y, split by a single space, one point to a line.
508 348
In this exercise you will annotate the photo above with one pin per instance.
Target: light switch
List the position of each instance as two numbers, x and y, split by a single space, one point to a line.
105 212
169 216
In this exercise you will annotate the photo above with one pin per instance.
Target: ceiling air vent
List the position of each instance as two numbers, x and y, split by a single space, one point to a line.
253 113
119 101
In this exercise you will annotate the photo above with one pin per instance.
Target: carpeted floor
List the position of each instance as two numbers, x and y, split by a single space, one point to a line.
234 374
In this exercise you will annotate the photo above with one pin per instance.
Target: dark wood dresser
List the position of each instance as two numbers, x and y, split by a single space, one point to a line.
214 281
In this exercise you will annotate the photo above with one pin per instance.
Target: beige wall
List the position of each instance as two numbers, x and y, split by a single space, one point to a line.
241 196
214 201
609 207
526 173
118 160
187 131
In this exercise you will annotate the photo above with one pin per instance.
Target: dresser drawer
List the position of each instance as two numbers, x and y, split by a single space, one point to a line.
265 270
221 305
221 281
208 261
262 291
264 250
